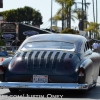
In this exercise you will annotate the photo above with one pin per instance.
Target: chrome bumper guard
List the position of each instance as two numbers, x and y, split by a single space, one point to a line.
29 85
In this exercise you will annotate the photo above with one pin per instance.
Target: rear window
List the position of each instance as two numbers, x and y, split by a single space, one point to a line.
52 45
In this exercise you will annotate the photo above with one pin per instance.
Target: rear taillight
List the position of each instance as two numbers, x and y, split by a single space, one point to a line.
81 72
2 59
1 69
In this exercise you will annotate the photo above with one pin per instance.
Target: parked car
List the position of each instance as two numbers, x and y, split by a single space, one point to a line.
51 61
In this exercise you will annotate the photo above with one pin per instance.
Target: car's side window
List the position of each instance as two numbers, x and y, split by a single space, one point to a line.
86 46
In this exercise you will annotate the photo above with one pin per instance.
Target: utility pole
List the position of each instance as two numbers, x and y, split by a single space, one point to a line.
62 17
96 11
51 16
85 6
82 17
97 18
85 14
93 11
69 18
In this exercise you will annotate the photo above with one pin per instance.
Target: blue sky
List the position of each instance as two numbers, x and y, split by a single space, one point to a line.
44 6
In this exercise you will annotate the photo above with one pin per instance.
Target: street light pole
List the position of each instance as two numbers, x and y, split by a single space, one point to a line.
93 11
97 18
51 15
85 13
85 6
96 11
82 17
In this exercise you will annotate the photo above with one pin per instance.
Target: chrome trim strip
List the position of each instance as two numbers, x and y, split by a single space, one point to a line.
48 57
42 62
59 56
36 61
29 85
29 60
33 58
26 58
45 58
63 57
54 59
21 54
40 57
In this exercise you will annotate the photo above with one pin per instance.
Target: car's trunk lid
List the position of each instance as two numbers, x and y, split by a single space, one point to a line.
56 64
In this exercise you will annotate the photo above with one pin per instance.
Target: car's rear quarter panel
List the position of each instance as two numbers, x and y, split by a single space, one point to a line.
91 65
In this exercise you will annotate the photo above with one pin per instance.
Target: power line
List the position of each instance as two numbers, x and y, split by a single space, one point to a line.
45 24
48 24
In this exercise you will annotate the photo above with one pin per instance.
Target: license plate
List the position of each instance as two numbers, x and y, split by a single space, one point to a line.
40 79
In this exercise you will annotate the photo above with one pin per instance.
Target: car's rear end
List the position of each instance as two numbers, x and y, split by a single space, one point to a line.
54 67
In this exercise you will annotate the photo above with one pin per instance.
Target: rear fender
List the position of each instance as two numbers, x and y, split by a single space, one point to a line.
3 66
6 61
88 70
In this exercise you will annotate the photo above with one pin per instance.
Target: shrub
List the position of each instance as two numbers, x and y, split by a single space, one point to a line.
70 31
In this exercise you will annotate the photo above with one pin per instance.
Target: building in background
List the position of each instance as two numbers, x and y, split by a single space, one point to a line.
8 30
24 30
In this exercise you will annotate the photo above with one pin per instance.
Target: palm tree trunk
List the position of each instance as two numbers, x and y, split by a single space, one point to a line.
70 17
82 17
97 18
93 15
85 14
62 17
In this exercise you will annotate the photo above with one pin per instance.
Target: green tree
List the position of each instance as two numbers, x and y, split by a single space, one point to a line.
69 31
64 11
37 18
93 28
26 14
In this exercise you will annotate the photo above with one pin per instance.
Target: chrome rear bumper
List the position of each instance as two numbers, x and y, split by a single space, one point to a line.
29 85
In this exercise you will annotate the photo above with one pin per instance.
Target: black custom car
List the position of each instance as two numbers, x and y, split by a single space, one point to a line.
51 61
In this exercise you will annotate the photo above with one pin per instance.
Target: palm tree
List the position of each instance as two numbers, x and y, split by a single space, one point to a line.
93 29
95 20
78 14
64 12
79 17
